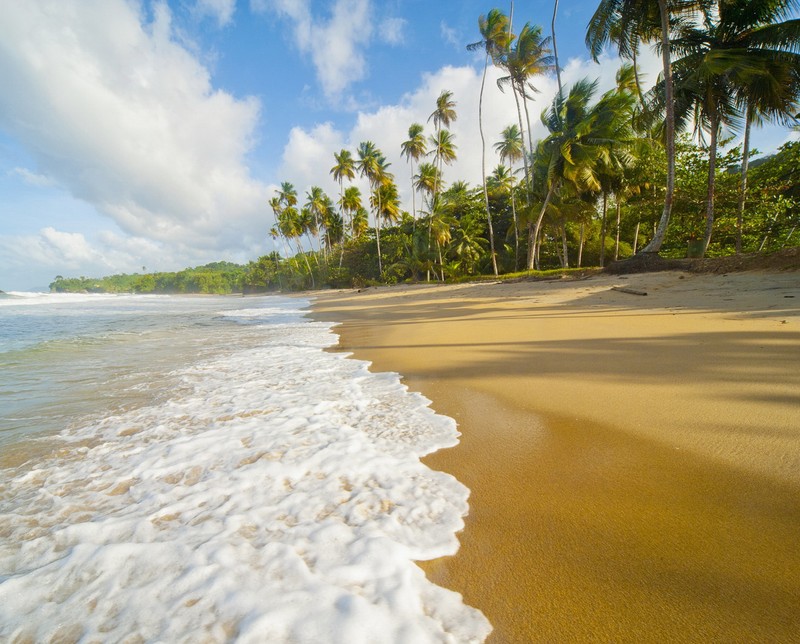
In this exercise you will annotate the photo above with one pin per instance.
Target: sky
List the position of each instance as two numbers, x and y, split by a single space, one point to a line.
149 135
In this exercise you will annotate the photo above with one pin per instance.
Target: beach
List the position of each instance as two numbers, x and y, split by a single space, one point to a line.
633 460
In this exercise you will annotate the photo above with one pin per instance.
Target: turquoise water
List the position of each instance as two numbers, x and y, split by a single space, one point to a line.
64 358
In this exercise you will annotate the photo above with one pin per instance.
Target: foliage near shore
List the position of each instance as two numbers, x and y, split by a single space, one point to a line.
217 278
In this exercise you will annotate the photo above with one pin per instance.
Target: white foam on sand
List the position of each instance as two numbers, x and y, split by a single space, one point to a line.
277 496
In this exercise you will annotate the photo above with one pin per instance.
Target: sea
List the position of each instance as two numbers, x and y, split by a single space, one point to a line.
205 469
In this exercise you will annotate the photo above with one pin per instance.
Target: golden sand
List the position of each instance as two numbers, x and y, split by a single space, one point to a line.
633 461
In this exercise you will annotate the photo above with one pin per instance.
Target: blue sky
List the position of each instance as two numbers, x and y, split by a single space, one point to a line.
136 133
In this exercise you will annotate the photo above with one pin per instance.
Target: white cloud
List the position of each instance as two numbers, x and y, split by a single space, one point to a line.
334 43
392 31
121 116
221 10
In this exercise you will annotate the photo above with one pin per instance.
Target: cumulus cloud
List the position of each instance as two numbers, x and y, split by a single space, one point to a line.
124 118
334 42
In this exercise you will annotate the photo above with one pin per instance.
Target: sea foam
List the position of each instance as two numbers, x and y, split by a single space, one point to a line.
275 496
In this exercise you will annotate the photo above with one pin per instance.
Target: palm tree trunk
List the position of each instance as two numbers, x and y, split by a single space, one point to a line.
580 247
564 243
413 197
538 225
603 229
483 167
308 266
528 119
743 185
524 156
516 230
616 242
658 238
636 237
712 170
378 235
555 48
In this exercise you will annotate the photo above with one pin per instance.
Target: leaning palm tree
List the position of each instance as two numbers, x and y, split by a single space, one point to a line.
580 139
413 150
495 33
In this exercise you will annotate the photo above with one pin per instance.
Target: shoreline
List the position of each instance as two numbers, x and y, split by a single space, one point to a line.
633 461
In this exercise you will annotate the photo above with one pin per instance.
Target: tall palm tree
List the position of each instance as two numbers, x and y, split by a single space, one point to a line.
628 23
351 203
317 206
413 150
373 166
511 149
555 46
443 115
529 56
426 180
345 168
502 180
495 38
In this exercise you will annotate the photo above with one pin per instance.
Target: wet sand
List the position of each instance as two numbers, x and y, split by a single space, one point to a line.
634 461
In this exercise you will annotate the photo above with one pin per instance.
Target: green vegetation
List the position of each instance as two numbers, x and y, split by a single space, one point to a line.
615 174
217 277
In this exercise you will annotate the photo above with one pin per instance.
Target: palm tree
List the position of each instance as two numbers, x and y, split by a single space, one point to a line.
345 168
426 180
529 56
511 149
628 23
445 149
502 181
444 114
580 141
413 150
351 203
555 47
495 35
317 206
373 166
